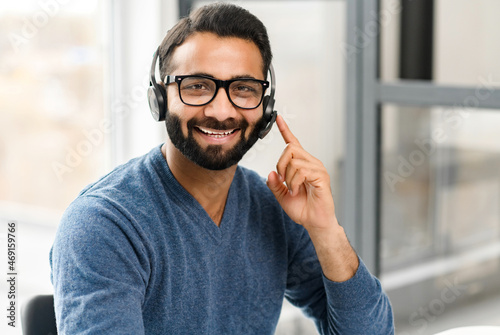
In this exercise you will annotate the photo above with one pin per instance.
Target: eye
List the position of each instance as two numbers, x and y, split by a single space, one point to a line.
243 88
195 87
246 87
197 84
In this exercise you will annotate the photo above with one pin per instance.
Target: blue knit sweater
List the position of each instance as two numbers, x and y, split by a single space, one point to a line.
135 253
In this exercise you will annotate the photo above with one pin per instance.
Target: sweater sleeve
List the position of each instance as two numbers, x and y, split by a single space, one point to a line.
356 306
99 271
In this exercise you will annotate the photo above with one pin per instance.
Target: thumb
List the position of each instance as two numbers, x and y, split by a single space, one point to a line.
276 186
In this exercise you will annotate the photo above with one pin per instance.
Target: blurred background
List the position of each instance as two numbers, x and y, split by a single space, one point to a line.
400 99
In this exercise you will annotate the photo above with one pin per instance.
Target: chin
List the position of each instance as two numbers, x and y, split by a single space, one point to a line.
212 157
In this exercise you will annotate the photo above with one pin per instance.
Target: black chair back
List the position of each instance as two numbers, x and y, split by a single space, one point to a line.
38 316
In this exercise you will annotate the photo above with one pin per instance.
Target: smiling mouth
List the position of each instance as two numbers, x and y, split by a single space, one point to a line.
216 133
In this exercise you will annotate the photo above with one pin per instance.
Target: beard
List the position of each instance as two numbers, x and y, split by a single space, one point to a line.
213 157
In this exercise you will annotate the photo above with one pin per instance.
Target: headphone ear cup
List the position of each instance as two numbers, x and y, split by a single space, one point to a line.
269 115
157 99
268 107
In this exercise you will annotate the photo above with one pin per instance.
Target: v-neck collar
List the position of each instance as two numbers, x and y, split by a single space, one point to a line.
193 207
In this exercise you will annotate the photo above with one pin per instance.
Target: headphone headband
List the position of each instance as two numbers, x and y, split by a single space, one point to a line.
272 80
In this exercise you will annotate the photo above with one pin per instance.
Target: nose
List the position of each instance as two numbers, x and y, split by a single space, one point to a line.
220 107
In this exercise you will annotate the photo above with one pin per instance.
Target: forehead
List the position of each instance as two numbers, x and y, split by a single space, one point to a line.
221 57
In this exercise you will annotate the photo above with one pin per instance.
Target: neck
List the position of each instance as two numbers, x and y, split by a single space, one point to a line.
210 188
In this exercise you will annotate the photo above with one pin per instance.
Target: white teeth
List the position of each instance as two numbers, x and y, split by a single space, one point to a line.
215 133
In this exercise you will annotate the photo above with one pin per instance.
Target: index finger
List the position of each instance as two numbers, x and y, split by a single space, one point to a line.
286 133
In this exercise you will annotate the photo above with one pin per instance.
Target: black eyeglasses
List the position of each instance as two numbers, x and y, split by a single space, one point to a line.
198 90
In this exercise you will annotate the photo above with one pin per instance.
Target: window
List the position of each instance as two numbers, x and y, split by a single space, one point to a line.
54 134
53 130
438 182
447 33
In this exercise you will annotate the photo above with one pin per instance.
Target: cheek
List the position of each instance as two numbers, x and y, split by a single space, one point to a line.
255 118
253 121
174 109
173 100
178 108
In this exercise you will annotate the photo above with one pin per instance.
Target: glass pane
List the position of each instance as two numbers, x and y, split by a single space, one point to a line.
440 223
464 45
466 41
405 212
389 25
310 71
53 130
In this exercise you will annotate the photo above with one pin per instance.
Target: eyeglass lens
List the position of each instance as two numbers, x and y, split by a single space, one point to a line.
244 93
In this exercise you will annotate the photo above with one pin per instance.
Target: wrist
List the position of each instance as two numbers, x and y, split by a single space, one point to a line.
338 260
327 228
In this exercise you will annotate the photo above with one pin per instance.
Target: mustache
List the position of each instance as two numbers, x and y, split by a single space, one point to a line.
213 123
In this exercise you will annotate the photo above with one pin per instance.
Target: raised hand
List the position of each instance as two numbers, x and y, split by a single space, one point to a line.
301 184
302 187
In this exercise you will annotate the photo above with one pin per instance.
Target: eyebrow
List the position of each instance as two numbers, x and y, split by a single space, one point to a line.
244 76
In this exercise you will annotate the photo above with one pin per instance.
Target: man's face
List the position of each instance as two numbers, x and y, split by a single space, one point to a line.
217 135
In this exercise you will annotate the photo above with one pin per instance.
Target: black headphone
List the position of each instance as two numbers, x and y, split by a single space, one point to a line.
157 99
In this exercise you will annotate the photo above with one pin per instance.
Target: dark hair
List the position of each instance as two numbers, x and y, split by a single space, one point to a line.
222 19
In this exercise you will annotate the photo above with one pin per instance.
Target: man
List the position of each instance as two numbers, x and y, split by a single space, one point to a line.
183 241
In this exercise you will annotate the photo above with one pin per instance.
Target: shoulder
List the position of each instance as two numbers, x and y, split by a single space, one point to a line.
118 197
127 181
